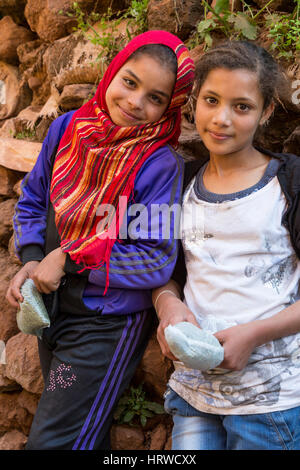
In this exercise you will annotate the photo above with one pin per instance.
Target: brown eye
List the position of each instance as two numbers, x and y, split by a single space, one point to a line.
129 82
243 107
210 100
156 99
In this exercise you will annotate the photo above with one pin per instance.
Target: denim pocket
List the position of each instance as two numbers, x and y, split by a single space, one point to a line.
286 426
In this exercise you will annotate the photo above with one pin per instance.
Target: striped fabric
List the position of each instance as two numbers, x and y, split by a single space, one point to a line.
97 161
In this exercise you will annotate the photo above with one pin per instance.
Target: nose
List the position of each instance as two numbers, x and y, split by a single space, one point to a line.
135 100
222 116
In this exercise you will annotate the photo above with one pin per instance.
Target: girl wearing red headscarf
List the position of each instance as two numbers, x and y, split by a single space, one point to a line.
93 261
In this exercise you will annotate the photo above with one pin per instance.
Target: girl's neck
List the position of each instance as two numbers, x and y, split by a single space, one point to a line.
226 174
245 160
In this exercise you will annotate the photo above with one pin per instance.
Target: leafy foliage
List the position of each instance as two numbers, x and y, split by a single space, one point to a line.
25 134
285 32
135 406
234 25
137 11
108 38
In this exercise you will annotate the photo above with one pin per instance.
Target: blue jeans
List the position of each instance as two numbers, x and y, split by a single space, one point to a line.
195 430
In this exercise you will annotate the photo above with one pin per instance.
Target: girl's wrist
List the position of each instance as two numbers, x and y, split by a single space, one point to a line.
166 303
163 292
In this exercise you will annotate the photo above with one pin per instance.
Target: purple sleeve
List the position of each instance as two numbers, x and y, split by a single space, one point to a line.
30 215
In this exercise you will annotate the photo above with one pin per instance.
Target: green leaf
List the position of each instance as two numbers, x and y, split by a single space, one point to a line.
205 24
156 407
147 413
128 416
221 6
208 40
143 420
243 25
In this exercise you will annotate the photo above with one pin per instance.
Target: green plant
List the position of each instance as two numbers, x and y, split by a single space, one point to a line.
285 32
137 14
26 134
106 36
109 42
234 25
134 406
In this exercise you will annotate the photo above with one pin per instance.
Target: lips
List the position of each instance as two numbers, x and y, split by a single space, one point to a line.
219 135
128 115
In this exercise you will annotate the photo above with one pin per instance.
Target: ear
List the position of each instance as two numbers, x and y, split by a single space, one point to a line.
267 113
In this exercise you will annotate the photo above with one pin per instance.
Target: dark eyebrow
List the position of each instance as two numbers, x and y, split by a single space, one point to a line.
241 98
162 93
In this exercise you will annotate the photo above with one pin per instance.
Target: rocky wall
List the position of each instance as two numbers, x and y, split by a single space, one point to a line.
47 69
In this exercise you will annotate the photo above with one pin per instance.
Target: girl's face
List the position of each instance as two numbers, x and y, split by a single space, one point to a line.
229 110
140 92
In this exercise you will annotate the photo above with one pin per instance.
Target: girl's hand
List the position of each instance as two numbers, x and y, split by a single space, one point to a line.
13 295
171 311
48 274
238 343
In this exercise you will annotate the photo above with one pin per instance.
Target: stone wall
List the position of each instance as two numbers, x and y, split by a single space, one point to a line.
47 69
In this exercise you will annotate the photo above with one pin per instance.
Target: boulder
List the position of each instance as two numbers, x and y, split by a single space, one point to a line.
11 250
29 401
179 18
168 445
127 437
12 35
30 52
51 19
44 18
7 209
15 94
13 440
22 125
7 385
18 154
158 437
34 73
73 96
277 5
274 135
13 8
12 415
8 179
73 60
22 362
292 143
8 324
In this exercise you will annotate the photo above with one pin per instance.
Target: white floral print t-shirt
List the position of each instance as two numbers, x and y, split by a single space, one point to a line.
241 267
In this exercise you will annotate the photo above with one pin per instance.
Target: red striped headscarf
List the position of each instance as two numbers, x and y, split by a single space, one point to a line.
97 161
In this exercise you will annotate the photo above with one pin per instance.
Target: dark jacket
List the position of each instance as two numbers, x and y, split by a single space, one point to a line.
289 178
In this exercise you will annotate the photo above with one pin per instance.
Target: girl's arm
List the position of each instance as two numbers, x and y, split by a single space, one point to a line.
239 341
170 310
30 216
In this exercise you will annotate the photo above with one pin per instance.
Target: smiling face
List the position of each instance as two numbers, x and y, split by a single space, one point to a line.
140 92
229 110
